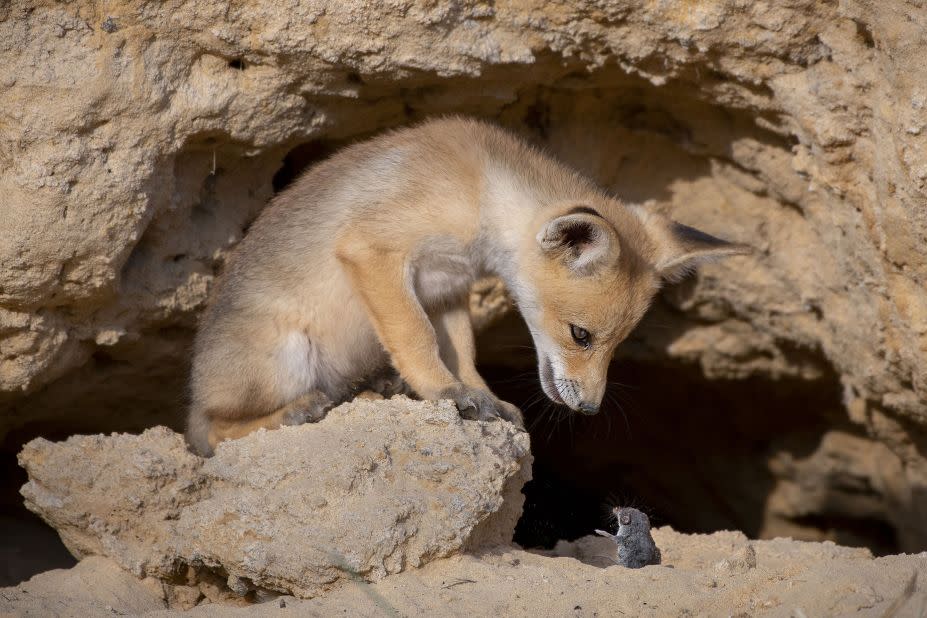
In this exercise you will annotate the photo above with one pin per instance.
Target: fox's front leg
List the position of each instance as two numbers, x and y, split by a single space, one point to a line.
458 350
382 278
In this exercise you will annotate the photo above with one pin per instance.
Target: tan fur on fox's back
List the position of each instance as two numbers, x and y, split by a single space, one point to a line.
366 260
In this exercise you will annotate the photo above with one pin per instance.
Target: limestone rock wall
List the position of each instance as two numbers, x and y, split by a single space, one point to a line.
138 139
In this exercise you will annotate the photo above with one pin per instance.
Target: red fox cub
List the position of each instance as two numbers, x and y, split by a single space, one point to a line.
367 259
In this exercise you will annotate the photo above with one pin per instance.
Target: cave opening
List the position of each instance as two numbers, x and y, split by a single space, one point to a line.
691 452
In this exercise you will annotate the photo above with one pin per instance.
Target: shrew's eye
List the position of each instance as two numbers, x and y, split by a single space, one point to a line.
580 335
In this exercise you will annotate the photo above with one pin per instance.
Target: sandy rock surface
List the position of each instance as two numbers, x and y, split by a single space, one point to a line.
721 574
289 510
708 577
95 587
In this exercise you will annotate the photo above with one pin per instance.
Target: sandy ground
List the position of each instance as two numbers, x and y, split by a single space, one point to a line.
722 574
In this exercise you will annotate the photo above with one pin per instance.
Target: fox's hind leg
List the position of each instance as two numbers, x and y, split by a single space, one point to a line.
247 377
309 408
208 428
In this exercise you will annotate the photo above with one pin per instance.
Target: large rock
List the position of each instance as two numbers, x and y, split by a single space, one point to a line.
375 488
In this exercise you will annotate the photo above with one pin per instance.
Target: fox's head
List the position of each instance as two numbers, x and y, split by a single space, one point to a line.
589 274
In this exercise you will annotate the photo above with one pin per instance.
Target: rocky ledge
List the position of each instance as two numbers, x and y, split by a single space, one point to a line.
375 488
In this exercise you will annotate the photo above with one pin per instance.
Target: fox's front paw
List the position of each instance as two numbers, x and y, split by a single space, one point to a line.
481 405
511 413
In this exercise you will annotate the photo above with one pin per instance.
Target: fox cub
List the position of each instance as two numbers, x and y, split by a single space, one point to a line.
366 261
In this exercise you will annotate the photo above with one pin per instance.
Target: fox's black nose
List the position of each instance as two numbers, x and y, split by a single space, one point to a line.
588 408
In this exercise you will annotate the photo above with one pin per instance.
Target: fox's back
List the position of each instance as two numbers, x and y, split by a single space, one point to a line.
435 165
407 179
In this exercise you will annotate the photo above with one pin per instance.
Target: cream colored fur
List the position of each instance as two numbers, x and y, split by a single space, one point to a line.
366 260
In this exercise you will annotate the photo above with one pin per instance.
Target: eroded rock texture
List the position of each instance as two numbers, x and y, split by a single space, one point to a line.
286 511
140 138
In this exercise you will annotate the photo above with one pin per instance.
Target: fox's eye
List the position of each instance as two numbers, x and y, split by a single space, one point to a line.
580 335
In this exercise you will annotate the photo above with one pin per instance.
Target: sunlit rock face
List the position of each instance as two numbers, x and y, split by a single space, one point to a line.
136 146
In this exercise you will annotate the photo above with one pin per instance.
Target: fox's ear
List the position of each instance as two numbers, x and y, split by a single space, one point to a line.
680 248
581 241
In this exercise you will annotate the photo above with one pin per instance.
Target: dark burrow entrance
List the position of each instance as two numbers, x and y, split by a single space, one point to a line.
692 453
